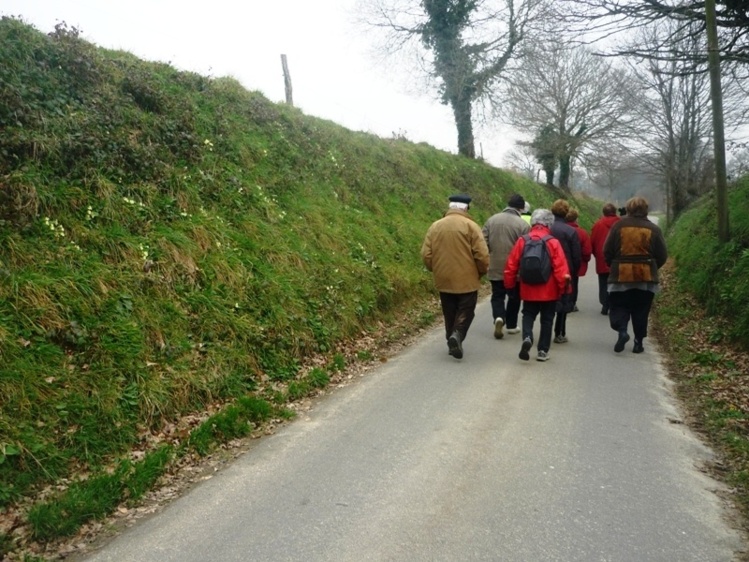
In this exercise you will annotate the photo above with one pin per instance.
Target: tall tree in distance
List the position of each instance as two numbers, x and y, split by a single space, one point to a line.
674 112
447 21
466 44
675 115
546 148
573 97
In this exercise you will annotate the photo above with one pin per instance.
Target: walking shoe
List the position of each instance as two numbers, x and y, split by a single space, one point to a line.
513 330
560 339
525 348
575 309
605 311
498 325
623 339
453 343
542 356
637 348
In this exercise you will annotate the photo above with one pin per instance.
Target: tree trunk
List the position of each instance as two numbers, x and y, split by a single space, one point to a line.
564 172
461 106
549 176
719 148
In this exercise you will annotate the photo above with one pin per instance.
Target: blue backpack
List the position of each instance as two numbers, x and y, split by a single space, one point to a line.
535 263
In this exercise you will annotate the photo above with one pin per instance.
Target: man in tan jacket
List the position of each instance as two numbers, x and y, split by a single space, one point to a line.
455 251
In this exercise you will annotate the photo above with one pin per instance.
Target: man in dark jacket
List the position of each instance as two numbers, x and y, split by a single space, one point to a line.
635 249
570 241
598 236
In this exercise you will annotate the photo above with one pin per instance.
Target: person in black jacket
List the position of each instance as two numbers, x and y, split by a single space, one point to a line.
570 241
635 249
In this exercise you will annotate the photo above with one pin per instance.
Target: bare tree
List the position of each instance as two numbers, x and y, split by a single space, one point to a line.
724 23
572 95
726 26
607 17
676 113
608 170
464 45
522 159
738 164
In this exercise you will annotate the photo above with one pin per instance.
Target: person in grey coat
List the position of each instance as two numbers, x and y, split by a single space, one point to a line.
501 231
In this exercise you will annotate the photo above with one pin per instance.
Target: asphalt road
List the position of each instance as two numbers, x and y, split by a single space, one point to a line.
428 458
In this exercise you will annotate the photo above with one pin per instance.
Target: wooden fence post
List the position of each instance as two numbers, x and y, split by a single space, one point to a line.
287 80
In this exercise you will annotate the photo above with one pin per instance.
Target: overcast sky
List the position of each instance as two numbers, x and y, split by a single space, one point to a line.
333 73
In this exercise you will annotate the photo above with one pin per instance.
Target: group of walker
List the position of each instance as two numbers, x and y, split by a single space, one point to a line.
628 251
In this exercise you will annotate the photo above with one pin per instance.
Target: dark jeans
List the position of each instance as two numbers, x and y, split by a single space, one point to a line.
560 325
459 311
510 314
603 290
634 304
575 288
531 309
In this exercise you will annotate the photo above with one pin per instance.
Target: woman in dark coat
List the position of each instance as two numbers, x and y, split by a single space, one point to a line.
586 251
635 249
570 242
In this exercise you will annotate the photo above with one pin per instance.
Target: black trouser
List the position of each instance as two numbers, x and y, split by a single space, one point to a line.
510 314
603 290
634 304
575 288
530 310
560 326
459 311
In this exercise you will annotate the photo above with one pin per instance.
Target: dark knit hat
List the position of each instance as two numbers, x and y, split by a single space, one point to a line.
516 202
460 198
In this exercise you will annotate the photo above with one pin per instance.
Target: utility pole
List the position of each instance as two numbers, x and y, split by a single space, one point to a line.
287 80
719 142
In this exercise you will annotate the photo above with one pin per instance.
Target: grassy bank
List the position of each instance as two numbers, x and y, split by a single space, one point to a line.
175 247
704 328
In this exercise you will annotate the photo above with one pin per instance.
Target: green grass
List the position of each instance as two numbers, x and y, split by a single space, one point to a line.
709 269
236 420
96 497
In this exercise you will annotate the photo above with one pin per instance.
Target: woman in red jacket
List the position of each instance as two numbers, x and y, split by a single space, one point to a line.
597 238
539 298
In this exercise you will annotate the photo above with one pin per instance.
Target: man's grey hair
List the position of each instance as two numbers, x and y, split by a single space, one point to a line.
542 216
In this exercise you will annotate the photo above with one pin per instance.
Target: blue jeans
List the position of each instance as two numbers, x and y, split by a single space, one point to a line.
511 312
